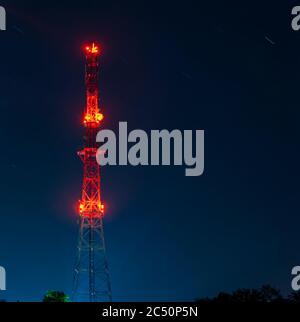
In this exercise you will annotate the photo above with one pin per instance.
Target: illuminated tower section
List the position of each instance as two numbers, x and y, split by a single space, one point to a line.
91 276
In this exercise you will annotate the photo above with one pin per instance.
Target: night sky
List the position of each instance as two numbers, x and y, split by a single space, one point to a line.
230 69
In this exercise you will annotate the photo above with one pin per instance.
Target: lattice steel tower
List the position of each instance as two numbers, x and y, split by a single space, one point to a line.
91 276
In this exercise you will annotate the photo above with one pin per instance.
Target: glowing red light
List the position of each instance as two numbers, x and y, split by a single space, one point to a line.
93 118
90 205
94 49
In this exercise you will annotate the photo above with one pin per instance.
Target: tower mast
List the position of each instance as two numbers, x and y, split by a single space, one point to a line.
91 276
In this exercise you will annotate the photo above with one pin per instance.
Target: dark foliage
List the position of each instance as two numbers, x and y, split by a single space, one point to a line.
265 294
55 296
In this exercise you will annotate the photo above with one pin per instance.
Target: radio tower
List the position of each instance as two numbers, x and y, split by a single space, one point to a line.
91 276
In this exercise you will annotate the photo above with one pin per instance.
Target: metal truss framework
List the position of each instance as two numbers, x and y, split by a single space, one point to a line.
91 276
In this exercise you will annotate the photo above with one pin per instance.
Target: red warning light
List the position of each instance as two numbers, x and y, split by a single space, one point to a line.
93 49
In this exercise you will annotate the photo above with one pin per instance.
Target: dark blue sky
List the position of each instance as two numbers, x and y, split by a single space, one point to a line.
188 66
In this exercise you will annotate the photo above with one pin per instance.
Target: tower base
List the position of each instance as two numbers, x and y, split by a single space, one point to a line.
91 276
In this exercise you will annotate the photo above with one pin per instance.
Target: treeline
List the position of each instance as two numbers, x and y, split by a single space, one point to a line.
265 294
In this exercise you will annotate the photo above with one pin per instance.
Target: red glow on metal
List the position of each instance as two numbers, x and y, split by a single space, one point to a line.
91 276
90 205
93 118
92 49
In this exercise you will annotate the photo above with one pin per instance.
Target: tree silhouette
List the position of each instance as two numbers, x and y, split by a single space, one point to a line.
265 294
56 296
247 296
270 294
294 297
